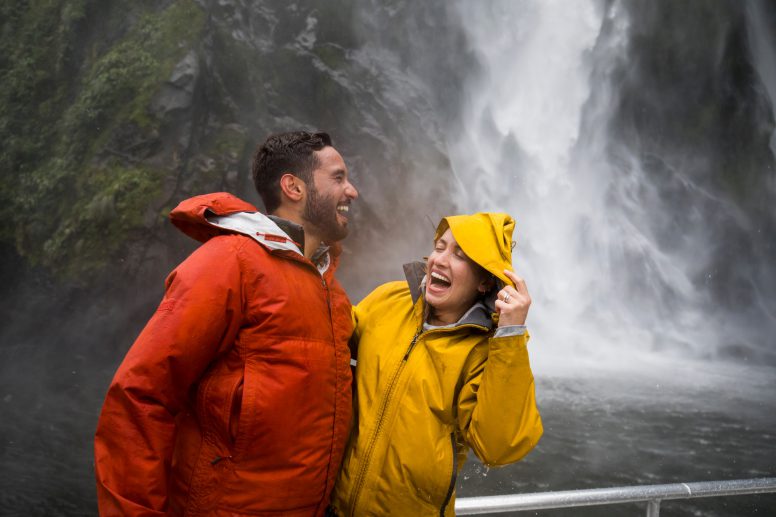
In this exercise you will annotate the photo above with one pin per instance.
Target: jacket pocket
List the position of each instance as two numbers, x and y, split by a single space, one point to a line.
235 412
219 401
453 476
243 411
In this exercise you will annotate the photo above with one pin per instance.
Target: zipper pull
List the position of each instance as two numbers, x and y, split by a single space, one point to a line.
414 340
217 459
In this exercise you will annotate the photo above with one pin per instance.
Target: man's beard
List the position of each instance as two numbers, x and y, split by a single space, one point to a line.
321 212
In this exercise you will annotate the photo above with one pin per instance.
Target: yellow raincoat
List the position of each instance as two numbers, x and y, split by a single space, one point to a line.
424 398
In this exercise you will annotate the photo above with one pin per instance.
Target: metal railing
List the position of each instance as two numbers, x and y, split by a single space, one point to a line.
651 494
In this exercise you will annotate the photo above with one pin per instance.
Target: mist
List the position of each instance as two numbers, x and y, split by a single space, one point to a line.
633 142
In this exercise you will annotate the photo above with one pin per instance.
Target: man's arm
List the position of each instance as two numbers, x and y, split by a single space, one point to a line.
197 320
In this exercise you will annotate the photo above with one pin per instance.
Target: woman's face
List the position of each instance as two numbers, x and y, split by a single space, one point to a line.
453 280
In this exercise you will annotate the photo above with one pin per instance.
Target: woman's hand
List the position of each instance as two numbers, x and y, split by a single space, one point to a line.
512 303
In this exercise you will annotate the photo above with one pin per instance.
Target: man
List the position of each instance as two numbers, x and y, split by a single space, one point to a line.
235 399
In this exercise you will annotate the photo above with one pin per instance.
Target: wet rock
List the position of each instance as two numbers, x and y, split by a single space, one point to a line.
178 92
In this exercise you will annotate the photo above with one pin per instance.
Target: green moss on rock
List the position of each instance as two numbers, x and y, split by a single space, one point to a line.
111 211
73 203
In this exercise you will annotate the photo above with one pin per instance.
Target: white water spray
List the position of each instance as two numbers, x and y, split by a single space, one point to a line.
762 39
534 144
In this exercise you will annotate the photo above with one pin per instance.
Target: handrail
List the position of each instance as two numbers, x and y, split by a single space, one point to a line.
652 494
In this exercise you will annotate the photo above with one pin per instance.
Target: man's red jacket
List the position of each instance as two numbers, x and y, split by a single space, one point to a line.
236 397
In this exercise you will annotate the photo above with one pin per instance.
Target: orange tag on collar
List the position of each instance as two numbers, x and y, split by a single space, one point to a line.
273 238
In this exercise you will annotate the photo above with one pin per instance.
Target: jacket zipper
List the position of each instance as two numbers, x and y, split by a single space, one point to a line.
450 488
328 302
381 413
327 294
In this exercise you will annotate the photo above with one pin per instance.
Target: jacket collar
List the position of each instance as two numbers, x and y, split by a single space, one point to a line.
415 272
476 315
293 230
275 233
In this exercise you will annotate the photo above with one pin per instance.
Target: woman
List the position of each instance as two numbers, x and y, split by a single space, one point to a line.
435 378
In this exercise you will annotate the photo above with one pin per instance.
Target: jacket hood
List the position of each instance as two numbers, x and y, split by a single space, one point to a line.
486 238
191 215
205 216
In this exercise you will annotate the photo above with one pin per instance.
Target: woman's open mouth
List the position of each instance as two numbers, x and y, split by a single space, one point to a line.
438 282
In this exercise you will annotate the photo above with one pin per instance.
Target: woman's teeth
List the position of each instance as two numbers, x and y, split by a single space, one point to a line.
441 278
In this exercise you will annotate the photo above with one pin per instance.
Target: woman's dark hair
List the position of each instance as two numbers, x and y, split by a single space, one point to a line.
283 153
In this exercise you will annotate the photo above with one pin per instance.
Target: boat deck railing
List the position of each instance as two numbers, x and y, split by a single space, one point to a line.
653 495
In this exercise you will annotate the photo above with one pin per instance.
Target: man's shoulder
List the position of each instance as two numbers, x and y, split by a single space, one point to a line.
231 241
225 248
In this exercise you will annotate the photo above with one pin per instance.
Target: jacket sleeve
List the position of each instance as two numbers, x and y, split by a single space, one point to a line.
197 320
497 412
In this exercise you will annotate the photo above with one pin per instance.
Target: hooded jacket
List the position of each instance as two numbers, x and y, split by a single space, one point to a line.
236 397
425 397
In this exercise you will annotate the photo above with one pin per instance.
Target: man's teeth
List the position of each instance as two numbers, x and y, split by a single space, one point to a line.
343 208
440 277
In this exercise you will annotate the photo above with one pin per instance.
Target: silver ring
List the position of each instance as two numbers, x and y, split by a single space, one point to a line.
506 297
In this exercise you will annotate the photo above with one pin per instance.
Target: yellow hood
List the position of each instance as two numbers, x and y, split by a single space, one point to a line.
486 238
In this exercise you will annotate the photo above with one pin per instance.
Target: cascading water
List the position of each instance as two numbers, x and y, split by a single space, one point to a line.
515 154
593 229
762 37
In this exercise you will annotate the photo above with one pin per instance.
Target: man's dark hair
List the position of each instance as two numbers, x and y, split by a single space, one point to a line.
283 153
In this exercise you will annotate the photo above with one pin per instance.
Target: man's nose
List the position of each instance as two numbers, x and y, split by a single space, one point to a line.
351 191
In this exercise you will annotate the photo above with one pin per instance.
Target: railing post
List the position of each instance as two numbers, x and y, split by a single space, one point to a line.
653 508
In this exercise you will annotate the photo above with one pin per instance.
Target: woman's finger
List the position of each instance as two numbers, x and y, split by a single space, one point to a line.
518 280
512 276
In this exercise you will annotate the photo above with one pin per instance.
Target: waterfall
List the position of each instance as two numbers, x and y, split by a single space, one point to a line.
535 142
762 40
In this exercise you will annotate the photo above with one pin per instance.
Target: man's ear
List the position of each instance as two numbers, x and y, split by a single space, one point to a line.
292 187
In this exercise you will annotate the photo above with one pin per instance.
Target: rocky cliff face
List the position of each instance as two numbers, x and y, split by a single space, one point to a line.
114 114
